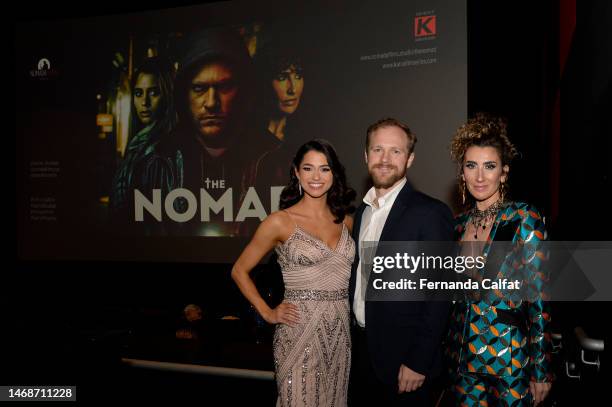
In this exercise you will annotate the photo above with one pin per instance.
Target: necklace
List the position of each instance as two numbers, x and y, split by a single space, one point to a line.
482 219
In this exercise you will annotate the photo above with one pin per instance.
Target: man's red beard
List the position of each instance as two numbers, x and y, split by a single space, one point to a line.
389 179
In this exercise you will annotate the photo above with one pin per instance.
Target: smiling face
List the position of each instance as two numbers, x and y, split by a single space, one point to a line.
288 86
483 174
315 174
388 157
147 98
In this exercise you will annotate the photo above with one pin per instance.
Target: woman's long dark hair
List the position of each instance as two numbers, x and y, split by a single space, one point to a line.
278 52
340 195
268 68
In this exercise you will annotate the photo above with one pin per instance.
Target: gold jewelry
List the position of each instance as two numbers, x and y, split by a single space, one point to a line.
482 219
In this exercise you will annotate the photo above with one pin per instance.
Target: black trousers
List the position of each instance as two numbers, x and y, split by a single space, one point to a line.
366 389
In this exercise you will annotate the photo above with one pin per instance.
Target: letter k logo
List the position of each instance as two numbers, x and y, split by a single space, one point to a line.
424 26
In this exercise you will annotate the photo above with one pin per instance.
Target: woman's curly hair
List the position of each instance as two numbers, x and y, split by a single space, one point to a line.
483 130
340 195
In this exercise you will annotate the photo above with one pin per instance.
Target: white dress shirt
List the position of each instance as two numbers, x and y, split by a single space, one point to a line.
372 223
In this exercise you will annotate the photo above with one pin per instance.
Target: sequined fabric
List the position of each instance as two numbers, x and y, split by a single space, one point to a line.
312 360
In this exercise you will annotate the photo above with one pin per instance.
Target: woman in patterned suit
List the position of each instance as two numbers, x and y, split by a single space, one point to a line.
498 341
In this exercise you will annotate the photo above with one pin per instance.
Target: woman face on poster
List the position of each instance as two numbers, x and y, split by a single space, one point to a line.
281 70
288 85
152 87
147 97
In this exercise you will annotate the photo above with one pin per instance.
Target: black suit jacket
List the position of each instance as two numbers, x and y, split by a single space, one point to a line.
406 332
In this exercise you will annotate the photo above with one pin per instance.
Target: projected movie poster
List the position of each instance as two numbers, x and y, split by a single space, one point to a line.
169 135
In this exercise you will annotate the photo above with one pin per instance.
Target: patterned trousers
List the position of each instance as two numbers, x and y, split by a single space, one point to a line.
473 389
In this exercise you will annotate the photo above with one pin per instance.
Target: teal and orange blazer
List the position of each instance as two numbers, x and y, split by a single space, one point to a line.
496 334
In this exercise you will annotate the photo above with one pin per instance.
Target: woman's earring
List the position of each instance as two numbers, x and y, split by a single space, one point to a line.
502 190
462 187
300 187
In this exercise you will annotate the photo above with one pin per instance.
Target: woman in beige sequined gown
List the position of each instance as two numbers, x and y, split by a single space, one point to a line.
311 235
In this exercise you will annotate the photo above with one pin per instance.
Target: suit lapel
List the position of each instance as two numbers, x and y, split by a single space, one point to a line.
397 210
503 229
355 234
357 225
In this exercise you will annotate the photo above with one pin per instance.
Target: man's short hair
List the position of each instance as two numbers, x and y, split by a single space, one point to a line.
390 122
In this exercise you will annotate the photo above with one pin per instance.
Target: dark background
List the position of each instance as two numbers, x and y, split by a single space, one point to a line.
59 315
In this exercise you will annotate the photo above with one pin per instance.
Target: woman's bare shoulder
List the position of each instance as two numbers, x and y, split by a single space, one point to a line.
280 223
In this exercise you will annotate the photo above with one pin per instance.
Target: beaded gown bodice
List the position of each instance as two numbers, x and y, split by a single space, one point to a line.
312 359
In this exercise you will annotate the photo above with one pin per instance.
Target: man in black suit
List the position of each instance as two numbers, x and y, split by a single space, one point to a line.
396 344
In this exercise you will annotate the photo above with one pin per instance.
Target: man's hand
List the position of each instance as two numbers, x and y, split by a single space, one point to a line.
408 380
